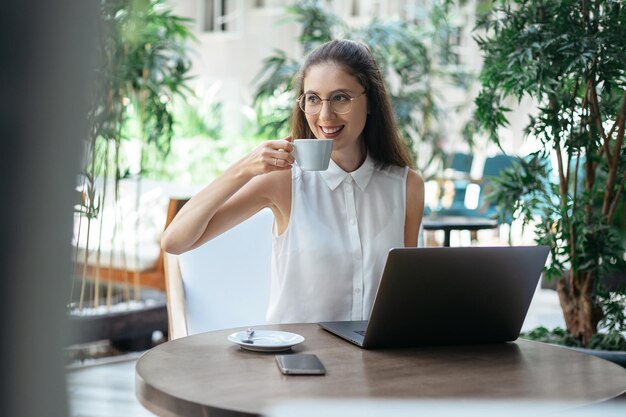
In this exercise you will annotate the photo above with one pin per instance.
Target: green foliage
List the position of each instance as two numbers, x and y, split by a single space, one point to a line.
608 341
401 53
404 52
192 119
317 23
274 97
196 160
545 48
605 341
143 66
556 336
568 56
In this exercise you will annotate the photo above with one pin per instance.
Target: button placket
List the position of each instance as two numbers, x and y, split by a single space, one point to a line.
356 250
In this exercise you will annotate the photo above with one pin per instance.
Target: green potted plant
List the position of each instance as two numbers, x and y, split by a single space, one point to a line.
142 65
568 56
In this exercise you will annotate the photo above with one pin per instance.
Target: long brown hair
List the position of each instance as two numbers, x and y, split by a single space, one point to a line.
380 134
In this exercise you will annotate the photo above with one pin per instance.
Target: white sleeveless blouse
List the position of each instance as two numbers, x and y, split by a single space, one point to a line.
328 263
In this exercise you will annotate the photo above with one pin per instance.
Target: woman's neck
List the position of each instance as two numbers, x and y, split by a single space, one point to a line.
350 160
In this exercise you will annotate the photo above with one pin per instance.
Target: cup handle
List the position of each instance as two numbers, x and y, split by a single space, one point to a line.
294 154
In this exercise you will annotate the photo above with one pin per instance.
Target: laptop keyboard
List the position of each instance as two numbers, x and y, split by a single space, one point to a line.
361 332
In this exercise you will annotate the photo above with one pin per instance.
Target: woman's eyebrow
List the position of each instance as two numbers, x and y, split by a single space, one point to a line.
339 90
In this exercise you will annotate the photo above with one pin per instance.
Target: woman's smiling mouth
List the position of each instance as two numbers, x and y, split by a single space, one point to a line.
331 131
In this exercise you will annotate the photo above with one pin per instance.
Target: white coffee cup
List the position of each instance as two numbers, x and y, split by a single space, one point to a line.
312 154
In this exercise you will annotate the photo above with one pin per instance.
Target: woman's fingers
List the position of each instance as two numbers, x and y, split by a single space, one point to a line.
281 144
283 158
282 161
276 155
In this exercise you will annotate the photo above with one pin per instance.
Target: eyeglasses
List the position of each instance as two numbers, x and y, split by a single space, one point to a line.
340 103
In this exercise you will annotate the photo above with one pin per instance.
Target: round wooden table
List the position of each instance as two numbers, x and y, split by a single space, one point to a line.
205 375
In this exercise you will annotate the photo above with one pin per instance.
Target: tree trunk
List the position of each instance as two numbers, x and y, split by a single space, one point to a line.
580 312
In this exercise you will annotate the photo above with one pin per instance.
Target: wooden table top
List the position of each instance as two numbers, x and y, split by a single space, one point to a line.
205 374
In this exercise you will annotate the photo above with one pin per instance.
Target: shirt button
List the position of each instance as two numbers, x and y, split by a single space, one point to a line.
352 221
357 290
349 179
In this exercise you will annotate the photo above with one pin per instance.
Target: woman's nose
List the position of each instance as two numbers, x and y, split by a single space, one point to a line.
327 112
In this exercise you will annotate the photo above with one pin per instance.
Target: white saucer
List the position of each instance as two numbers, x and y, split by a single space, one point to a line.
267 340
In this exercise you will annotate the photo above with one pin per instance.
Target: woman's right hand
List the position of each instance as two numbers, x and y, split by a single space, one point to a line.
270 156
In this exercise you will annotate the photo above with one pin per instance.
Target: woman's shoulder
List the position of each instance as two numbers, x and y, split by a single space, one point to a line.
395 171
414 179
415 192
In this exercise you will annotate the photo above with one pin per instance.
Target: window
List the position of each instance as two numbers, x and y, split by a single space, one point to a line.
220 15
451 44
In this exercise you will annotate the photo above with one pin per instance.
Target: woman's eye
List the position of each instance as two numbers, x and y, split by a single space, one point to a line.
340 97
312 99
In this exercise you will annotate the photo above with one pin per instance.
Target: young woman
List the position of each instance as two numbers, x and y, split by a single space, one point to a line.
333 229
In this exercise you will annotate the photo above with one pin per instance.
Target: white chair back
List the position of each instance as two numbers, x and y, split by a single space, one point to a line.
226 281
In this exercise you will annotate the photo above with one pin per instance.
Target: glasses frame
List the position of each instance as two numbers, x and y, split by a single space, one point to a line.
329 103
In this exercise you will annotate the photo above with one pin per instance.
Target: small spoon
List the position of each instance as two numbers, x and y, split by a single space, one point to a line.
249 334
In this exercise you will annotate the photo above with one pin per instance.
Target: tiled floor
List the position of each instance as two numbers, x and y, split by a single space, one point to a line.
105 391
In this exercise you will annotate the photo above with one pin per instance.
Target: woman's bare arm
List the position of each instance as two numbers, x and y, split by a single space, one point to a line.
242 190
414 208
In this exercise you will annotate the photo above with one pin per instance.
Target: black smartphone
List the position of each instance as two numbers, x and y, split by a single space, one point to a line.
300 364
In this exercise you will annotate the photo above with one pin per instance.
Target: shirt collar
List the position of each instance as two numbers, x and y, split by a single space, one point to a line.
334 175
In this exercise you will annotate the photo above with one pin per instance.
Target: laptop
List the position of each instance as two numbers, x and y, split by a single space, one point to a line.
449 296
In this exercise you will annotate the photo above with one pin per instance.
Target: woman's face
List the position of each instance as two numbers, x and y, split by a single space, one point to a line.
327 80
